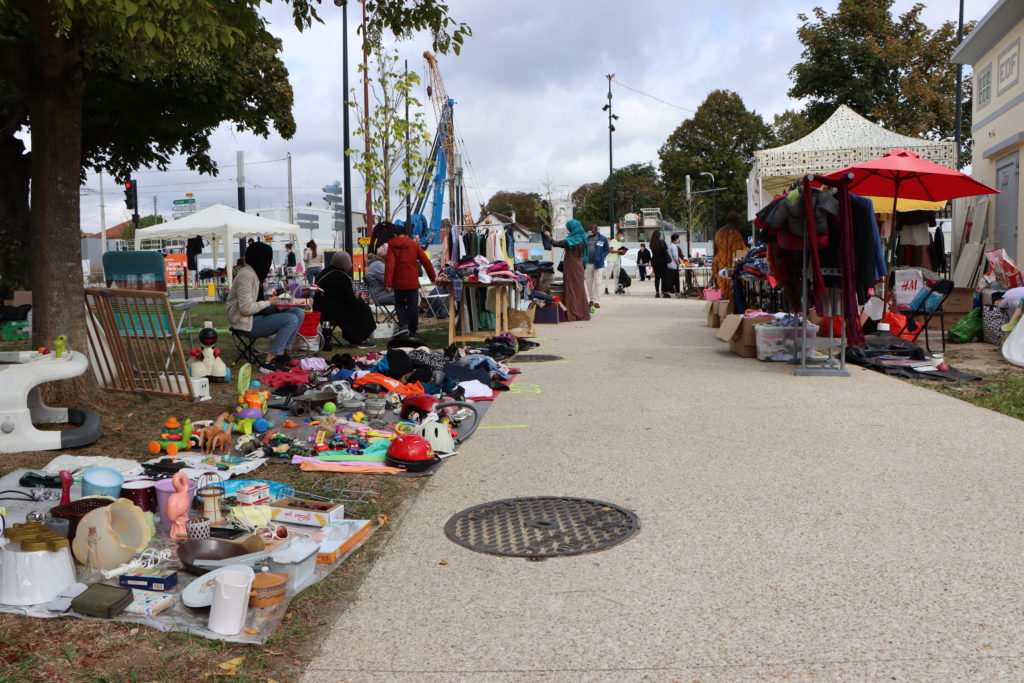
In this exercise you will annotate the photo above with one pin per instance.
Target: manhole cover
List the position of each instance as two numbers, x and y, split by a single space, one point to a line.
541 527
534 358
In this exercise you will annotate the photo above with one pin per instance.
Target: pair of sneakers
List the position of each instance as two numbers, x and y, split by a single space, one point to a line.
403 334
282 363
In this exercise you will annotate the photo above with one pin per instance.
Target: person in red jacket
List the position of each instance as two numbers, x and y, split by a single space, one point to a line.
402 275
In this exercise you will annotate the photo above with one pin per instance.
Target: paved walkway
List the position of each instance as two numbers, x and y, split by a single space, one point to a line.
805 527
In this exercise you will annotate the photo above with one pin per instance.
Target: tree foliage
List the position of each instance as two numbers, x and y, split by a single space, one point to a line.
895 72
637 186
528 207
720 139
118 83
389 152
790 126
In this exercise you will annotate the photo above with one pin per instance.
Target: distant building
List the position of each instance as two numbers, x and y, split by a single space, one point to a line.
993 51
323 234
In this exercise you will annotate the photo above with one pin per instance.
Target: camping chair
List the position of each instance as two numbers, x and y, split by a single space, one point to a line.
927 305
435 298
382 313
145 270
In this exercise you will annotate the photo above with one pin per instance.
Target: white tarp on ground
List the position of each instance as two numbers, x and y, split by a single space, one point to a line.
845 139
222 225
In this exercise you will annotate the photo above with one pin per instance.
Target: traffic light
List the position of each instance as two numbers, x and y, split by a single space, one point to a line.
131 195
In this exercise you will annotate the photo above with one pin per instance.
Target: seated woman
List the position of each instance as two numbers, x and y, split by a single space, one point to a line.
340 307
374 278
249 313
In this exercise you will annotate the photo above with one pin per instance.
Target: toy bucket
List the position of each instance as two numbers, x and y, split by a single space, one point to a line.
164 489
230 602
102 481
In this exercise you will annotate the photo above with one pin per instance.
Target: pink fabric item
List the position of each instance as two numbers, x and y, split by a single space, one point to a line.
277 379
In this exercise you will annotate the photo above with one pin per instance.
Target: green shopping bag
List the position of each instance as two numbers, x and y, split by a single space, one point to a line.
967 329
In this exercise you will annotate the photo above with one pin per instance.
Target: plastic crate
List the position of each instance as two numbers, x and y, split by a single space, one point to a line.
15 331
277 489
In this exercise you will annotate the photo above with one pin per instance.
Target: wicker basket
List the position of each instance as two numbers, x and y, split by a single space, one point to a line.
75 511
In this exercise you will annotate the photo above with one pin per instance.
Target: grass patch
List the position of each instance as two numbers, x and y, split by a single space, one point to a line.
1002 392
76 649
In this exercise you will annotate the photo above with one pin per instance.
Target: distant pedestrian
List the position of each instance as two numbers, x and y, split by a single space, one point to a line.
574 298
402 274
597 252
659 264
616 248
675 261
643 261
313 260
289 256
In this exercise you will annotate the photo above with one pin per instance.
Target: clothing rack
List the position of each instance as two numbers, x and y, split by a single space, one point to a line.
825 367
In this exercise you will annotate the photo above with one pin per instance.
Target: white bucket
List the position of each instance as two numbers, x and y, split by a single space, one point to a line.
230 602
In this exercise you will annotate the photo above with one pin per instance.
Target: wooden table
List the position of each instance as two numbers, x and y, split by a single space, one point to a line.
501 299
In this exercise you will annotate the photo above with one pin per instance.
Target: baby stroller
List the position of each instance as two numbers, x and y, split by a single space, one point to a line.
625 282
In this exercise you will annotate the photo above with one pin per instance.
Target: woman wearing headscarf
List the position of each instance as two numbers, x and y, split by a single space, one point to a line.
728 240
659 264
249 313
573 260
340 307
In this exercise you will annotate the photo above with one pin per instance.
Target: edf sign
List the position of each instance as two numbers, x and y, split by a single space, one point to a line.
1008 67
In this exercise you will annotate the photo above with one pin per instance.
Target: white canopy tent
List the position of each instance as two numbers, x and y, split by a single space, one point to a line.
222 225
845 139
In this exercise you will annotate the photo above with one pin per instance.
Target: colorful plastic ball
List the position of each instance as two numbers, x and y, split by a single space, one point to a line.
329 407
261 425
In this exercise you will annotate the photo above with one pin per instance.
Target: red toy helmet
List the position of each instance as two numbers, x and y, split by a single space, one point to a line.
411 453
418 406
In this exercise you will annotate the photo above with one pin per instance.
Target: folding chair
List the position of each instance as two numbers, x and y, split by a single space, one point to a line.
246 347
382 313
927 305
145 270
436 299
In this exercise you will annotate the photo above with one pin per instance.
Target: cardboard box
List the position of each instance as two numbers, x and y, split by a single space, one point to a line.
711 311
154 580
960 300
20 298
307 512
739 333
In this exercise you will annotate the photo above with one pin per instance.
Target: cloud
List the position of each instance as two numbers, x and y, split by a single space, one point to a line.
529 87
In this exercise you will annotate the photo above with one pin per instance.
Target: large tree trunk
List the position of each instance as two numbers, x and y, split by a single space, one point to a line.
15 220
57 288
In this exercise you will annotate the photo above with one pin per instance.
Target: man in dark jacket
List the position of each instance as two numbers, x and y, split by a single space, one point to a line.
643 261
402 276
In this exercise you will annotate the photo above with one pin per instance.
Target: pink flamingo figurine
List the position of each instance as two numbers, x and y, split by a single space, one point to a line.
177 506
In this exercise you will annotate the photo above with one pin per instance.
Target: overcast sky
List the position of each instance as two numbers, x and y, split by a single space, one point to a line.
529 87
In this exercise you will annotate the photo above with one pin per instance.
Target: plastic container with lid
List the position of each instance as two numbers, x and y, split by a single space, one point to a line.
298 560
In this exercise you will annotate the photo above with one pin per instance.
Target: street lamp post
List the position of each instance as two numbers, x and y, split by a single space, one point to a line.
714 207
343 4
611 172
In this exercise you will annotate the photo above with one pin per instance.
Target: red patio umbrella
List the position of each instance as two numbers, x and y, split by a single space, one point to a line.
901 174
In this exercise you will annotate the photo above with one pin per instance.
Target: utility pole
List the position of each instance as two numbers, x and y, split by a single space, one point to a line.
611 170
347 180
154 206
366 125
408 180
291 197
958 119
240 179
103 220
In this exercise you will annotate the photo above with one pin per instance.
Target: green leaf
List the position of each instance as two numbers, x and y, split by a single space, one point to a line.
150 29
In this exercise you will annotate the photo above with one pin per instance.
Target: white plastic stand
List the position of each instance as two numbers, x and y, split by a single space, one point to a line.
21 406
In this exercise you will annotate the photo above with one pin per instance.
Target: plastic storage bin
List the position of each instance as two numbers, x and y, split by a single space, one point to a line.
778 343
298 560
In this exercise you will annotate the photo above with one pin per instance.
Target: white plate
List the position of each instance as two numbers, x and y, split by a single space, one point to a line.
199 593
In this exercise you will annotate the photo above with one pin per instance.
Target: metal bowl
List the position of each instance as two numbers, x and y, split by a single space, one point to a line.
215 549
